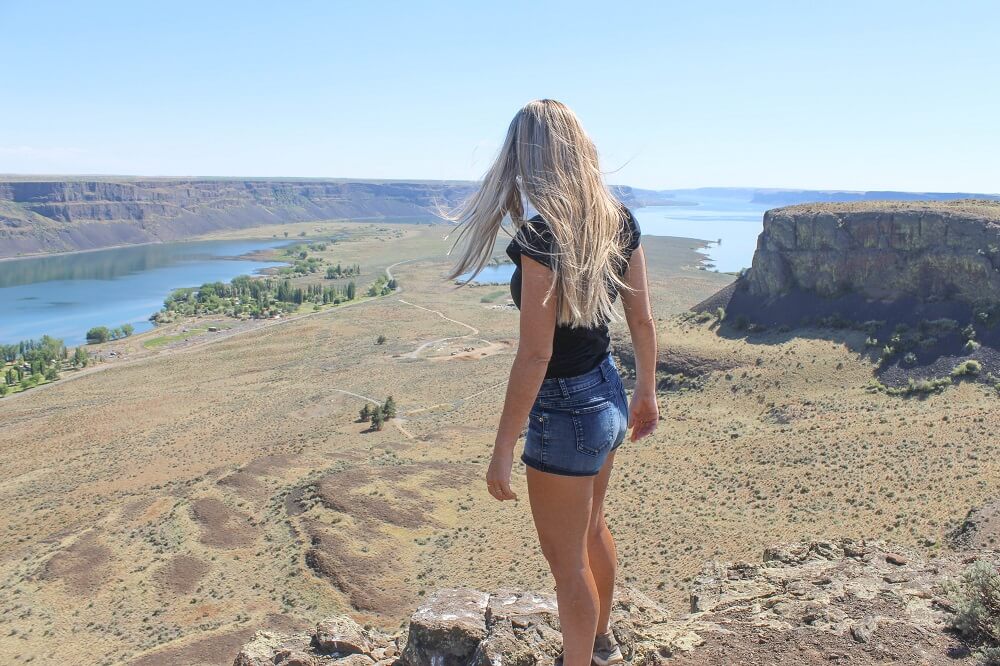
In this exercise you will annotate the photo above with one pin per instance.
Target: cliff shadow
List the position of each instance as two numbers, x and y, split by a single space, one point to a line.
907 341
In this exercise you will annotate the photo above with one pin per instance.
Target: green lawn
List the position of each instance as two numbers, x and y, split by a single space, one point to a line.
157 342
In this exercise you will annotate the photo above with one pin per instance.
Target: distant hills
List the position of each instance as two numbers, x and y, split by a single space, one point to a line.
780 197
43 214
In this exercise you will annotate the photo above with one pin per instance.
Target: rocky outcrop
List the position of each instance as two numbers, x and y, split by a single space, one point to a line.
822 602
872 266
979 530
886 251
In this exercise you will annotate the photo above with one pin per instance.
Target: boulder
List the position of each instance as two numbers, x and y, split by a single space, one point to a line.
342 634
447 628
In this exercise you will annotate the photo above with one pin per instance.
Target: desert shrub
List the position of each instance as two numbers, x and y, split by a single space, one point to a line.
720 313
968 368
938 326
977 609
971 346
913 386
872 326
910 358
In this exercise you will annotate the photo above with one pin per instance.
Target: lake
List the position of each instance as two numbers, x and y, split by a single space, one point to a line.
734 222
491 275
731 227
65 295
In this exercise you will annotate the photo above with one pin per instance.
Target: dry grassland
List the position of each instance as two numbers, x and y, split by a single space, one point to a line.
161 509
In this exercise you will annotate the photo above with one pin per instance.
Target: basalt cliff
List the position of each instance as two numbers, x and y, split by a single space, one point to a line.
56 215
78 214
920 278
883 251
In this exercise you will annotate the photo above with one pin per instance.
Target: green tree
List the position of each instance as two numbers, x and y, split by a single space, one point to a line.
389 408
98 334
352 290
378 418
128 329
80 358
366 412
52 374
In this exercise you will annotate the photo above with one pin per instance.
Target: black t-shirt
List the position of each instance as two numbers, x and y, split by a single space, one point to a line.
574 350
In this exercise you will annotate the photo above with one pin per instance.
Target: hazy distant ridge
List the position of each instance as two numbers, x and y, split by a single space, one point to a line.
63 213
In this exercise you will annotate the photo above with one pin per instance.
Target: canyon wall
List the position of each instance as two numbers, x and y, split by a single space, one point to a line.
61 215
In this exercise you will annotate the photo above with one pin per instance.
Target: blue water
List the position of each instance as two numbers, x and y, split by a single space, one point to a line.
729 226
491 275
65 295
735 222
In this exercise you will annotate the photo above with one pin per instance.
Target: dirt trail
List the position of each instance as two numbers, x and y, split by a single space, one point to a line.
475 331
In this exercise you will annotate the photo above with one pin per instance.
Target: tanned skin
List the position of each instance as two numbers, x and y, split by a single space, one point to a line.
568 511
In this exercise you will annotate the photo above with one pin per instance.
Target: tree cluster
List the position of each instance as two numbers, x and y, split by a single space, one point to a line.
103 333
379 414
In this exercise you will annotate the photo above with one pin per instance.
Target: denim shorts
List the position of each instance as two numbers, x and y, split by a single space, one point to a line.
576 422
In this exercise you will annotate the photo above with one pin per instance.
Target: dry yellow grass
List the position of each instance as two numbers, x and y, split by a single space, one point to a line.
160 510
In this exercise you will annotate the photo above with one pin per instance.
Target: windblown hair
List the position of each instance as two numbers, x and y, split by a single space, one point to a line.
548 161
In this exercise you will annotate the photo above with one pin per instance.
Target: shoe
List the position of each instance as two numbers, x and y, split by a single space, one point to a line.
559 660
606 650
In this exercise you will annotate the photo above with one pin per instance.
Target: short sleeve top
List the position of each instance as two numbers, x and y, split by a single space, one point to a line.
578 350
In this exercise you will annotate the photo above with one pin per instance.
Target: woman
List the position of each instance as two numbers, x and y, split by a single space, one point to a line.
572 260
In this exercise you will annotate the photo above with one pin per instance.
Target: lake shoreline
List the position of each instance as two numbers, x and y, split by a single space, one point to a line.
122 246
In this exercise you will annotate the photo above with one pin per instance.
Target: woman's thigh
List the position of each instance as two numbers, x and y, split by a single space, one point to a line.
560 507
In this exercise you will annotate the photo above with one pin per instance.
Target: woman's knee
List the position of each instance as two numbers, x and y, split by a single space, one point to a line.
597 529
563 556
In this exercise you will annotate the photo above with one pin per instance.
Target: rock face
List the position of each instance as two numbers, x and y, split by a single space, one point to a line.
979 530
821 602
49 216
78 214
886 251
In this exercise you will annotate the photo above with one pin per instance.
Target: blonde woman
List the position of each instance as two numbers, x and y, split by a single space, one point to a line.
572 260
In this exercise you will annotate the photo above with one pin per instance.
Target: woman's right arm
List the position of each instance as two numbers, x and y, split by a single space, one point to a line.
643 413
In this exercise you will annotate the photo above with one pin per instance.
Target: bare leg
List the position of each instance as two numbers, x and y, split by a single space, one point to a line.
601 547
560 506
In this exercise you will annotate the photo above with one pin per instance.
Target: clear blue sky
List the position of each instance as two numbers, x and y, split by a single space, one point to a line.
853 95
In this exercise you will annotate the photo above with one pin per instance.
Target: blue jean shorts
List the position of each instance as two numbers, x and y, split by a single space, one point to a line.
576 422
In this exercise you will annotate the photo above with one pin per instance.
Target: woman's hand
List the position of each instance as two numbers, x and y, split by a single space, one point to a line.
643 414
498 475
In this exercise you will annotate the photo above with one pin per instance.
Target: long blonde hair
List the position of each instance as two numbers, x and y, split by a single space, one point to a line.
548 160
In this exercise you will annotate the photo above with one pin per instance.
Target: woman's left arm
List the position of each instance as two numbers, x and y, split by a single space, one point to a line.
537 327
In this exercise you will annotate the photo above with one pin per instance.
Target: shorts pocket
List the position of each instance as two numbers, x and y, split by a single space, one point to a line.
596 427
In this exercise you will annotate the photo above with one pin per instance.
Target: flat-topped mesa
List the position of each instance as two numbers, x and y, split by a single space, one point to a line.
925 252
69 213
